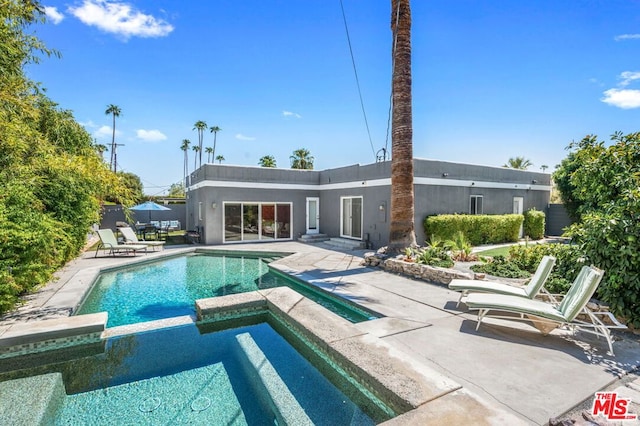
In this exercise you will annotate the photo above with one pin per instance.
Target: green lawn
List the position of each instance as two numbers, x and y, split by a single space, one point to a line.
500 251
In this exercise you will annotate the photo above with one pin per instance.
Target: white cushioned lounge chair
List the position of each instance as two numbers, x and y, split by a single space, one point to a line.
531 290
572 312
131 238
108 242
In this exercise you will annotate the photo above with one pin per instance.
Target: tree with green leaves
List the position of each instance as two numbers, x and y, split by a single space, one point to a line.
101 148
402 224
519 163
185 148
302 159
220 158
52 178
114 111
200 126
215 130
176 190
599 184
209 151
544 168
267 161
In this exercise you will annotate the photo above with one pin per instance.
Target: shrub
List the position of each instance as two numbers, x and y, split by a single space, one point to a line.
534 224
499 266
434 256
478 229
569 261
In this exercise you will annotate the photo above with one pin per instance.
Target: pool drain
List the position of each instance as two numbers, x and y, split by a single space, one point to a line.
149 404
200 404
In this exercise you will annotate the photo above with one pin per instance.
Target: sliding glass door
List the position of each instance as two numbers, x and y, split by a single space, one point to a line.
257 221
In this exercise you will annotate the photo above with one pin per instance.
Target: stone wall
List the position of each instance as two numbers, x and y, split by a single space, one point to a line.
418 271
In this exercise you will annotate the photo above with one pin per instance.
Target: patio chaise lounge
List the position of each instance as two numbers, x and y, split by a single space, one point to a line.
131 238
530 291
572 312
108 242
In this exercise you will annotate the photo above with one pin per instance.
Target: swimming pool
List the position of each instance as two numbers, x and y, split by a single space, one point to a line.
245 375
168 288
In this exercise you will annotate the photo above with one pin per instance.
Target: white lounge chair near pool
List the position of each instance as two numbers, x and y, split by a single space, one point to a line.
530 291
131 238
108 242
572 311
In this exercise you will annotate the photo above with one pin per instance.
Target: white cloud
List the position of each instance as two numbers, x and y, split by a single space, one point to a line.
150 135
90 124
626 37
120 18
103 131
53 15
242 137
627 77
622 98
291 114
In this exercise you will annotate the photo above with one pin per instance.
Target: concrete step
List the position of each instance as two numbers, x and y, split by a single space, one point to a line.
345 243
313 238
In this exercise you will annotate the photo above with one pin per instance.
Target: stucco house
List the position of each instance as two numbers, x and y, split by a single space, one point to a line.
234 204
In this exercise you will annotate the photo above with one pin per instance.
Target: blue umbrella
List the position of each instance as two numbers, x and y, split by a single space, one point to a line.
149 206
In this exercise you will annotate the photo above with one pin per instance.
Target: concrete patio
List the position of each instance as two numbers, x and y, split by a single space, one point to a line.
509 365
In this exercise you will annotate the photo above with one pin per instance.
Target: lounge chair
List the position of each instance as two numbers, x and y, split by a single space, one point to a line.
530 291
572 312
131 238
108 242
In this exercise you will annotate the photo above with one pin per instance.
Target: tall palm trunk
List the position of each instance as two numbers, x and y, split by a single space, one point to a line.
401 231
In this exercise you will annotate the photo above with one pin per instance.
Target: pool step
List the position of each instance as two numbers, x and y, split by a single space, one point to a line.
313 238
31 400
287 409
345 244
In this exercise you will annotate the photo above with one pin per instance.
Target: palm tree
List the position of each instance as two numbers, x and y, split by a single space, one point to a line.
115 111
267 161
401 228
220 158
209 151
544 168
302 159
200 126
185 147
215 130
519 163
196 148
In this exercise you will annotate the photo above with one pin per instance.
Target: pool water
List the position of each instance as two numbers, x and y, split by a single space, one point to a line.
168 288
177 375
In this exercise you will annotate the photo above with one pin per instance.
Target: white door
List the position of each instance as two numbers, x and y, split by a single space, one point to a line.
313 215
351 217
518 208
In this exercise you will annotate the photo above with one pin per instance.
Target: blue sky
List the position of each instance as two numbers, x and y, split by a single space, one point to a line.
491 80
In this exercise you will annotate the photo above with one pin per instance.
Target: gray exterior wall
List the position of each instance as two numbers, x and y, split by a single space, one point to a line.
440 187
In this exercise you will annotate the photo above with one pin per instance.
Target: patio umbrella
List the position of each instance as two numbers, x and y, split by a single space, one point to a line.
149 206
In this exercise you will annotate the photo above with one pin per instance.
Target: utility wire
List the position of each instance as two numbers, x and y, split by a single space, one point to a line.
355 71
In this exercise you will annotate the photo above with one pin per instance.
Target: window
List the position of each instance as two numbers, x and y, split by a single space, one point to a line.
476 204
257 221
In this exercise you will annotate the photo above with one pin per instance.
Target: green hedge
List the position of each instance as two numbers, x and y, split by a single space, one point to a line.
569 261
534 224
478 229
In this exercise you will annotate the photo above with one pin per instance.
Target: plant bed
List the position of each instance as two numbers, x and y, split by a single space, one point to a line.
400 265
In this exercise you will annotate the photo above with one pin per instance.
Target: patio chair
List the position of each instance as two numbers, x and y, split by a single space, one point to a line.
131 238
572 312
530 291
108 242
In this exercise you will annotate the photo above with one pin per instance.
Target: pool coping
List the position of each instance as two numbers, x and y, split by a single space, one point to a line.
415 394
